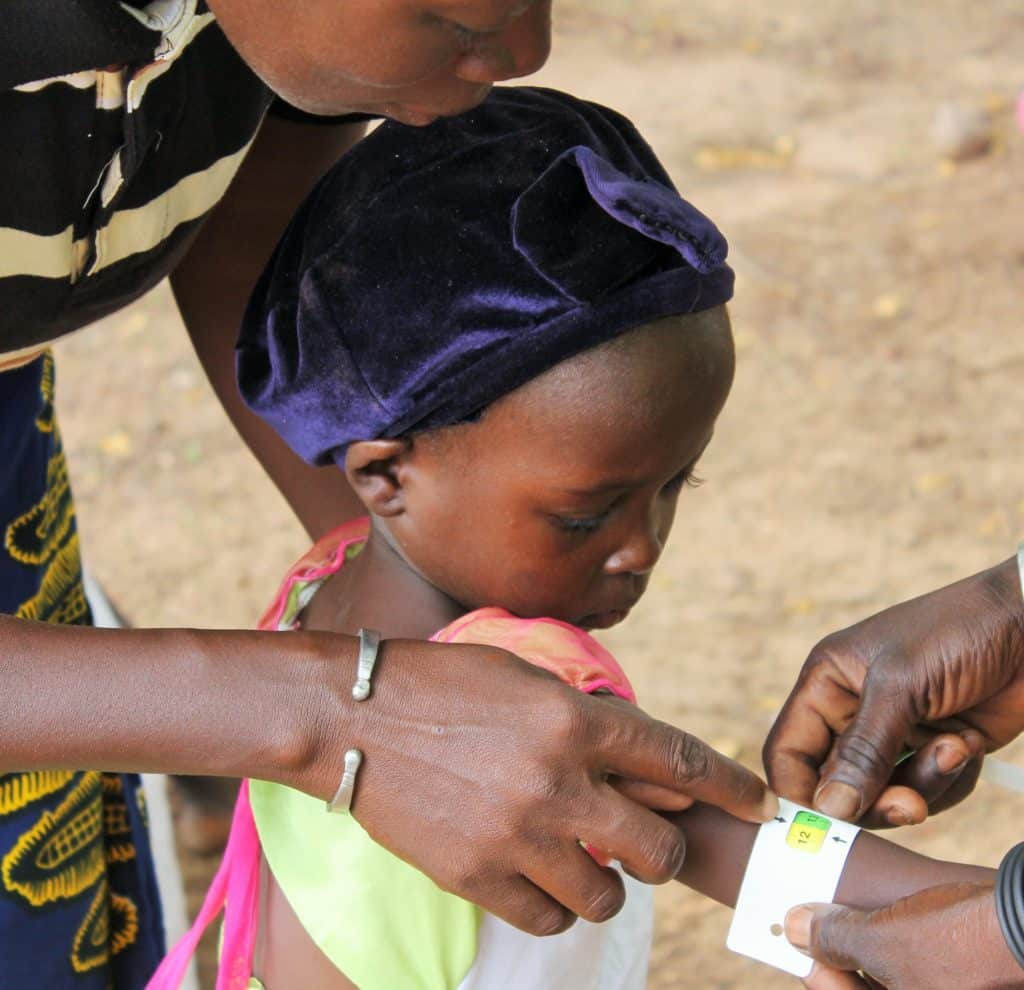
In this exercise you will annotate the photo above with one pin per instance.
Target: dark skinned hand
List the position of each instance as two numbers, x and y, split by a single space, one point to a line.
946 936
942 675
486 773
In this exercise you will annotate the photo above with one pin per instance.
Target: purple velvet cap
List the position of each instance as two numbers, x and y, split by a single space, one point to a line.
432 270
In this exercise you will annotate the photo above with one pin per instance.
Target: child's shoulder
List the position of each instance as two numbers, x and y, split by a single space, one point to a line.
564 650
571 654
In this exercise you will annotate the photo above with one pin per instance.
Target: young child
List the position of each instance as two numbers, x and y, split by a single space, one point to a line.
518 369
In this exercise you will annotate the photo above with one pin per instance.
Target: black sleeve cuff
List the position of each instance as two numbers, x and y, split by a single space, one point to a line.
1010 900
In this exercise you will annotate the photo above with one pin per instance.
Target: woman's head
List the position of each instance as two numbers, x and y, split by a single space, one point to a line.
558 499
412 60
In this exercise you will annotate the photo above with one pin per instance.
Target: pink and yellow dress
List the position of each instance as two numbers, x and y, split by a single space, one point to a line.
383 923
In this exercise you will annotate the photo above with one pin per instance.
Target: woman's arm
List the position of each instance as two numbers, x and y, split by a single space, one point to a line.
172 700
213 282
442 742
877 872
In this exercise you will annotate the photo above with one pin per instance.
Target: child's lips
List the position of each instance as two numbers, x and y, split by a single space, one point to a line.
603 620
620 607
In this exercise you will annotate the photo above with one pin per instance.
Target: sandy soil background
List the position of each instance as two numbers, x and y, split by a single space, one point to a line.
872 446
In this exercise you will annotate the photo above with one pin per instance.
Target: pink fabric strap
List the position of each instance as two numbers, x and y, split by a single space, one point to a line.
235 890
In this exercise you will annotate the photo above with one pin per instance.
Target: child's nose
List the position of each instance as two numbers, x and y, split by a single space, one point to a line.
519 50
640 553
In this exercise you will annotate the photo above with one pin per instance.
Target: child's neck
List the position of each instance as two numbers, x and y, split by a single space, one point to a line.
380 590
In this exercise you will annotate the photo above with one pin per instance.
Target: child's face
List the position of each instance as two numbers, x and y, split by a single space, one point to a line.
558 502
412 60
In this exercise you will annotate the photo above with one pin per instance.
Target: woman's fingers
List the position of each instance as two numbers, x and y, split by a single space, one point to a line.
631 744
651 795
591 891
863 755
521 903
820 707
942 772
945 769
895 807
649 847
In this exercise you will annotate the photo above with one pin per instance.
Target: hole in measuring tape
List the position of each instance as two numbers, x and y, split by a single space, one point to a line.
776 929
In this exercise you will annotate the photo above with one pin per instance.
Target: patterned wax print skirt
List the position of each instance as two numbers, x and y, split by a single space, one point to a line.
78 898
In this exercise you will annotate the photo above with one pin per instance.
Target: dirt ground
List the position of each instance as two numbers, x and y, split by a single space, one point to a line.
870 451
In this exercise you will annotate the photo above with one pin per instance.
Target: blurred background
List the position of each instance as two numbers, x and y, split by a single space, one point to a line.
865 162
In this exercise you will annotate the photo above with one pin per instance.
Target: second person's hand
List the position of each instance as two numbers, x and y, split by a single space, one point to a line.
942 674
945 936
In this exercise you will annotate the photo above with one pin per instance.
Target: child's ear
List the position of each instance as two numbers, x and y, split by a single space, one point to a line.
373 469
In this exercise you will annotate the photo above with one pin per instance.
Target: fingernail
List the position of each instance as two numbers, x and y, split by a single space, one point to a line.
898 817
769 806
837 800
798 927
950 759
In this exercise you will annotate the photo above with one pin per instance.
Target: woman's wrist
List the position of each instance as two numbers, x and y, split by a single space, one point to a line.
311 718
269 706
324 721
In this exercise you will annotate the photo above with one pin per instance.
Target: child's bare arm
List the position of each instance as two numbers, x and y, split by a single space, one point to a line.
877 871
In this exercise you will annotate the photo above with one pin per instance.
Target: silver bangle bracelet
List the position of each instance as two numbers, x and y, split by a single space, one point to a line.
369 647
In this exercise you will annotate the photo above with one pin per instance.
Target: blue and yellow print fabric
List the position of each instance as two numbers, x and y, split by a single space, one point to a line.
78 898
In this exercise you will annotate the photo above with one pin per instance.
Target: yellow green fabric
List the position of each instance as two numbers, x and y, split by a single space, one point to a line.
384 924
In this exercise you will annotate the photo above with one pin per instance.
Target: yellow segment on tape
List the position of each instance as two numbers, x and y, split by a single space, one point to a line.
808 831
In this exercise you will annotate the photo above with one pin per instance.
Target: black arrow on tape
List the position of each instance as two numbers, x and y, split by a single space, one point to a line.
835 838
778 819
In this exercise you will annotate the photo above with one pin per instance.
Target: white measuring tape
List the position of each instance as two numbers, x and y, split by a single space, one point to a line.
797 858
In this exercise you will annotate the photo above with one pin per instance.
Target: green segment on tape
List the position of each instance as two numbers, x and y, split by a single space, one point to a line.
810 820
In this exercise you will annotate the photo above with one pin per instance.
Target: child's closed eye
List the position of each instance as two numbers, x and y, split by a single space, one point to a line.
574 524
686 478
584 525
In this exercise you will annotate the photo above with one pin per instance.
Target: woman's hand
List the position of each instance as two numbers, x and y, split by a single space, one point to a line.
942 674
486 773
946 936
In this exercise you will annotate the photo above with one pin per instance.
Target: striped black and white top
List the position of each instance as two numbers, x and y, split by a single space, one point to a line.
105 173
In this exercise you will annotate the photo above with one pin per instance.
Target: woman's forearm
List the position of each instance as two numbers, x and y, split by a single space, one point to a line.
213 282
168 700
877 871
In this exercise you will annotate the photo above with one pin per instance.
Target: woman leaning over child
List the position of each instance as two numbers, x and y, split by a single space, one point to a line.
519 401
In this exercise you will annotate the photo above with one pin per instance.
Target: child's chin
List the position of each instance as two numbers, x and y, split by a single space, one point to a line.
603 620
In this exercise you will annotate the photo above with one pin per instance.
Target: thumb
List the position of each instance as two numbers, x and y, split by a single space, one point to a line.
832 934
863 756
